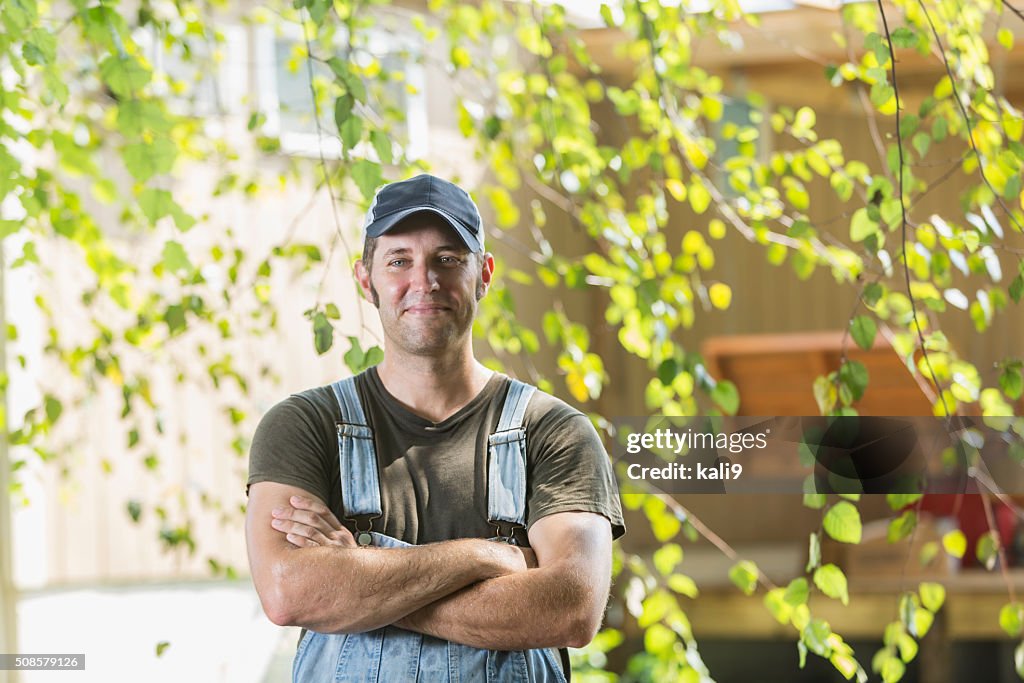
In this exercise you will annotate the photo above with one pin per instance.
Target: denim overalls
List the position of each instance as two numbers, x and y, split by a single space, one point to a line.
394 655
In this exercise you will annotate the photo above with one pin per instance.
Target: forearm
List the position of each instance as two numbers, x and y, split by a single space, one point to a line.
350 590
545 607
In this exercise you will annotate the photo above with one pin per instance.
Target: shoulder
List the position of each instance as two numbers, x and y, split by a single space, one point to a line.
546 411
310 406
551 420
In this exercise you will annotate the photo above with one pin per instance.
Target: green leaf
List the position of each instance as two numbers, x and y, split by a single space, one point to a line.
955 543
907 647
744 575
904 37
134 510
684 585
368 177
902 526
842 522
323 333
135 117
144 160
892 669
699 196
877 44
664 524
351 132
815 501
831 581
659 640
161 647
382 145
1005 38
872 293
813 551
175 259
726 396
174 316
863 329
855 376
775 603
353 84
667 557
1016 288
816 636
1011 382
53 408
343 110
881 93
357 360
922 141
932 595
862 226
898 501
125 75
797 591
155 204
1010 618
988 549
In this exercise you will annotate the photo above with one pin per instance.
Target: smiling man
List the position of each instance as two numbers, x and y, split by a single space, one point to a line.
476 512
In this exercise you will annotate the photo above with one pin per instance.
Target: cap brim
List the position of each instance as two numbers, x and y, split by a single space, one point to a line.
386 223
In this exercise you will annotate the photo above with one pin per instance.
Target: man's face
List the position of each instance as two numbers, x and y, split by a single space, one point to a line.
425 284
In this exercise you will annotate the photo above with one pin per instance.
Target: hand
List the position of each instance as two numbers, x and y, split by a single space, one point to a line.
307 524
512 558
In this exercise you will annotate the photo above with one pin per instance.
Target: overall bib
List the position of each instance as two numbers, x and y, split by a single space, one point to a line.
394 655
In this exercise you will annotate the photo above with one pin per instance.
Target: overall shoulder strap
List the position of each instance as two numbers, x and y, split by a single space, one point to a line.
357 457
506 473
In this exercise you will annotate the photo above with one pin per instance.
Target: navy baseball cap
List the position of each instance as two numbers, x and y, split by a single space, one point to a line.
396 201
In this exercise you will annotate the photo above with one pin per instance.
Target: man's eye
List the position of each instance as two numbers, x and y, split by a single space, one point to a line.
398 262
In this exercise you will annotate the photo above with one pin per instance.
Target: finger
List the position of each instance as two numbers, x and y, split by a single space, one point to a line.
301 541
302 503
291 528
309 519
343 536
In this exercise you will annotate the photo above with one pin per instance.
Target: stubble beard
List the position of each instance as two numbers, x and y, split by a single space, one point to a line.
428 337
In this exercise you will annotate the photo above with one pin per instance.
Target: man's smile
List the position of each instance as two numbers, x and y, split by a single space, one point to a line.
427 309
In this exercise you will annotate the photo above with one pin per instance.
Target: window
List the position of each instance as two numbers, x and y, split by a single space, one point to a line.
286 98
202 77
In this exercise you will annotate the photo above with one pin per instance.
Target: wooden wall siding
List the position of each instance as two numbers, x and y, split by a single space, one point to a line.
85 534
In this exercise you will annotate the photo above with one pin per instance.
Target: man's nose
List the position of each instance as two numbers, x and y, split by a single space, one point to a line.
425 278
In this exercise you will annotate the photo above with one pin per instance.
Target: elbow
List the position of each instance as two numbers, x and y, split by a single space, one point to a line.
582 630
582 622
277 604
286 603
280 602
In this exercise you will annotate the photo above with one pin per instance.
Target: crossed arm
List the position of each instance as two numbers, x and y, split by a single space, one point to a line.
309 572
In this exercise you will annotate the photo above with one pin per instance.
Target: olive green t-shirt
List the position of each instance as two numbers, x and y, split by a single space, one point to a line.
433 476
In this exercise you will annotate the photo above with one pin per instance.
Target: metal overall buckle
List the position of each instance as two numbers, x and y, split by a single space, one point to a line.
363 536
505 531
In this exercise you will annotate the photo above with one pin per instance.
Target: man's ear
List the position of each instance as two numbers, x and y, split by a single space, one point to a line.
486 274
363 278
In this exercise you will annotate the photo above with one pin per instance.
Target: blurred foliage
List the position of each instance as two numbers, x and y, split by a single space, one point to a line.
94 131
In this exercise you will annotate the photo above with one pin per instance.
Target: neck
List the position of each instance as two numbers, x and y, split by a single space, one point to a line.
433 387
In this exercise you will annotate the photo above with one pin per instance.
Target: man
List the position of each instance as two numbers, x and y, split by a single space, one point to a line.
425 457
